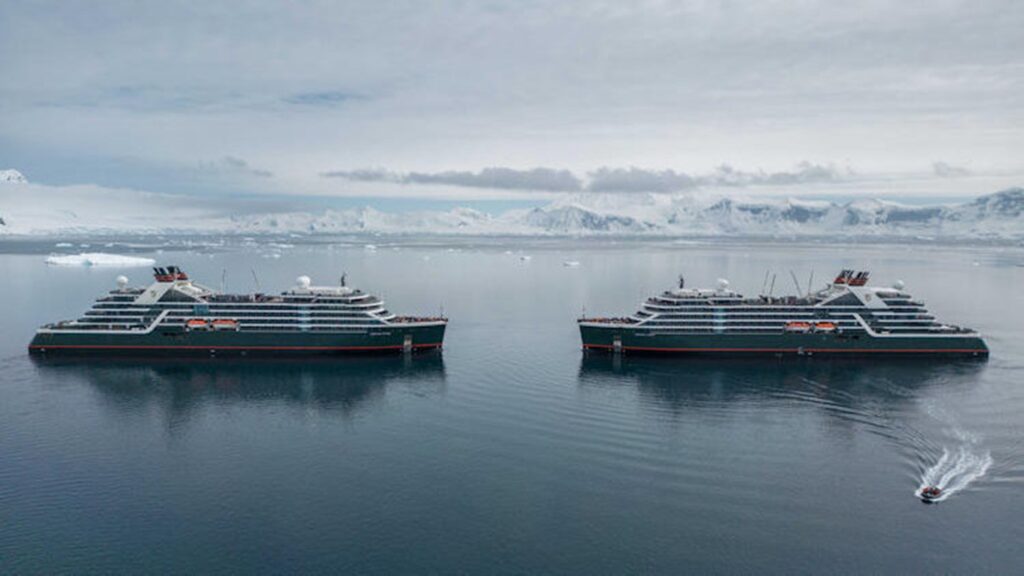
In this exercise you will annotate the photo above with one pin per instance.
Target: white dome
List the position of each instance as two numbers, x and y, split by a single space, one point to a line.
723 284
303 282
122 282
898 284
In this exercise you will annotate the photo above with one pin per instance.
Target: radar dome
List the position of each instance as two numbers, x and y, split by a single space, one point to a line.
122 282
898 285
723 284
303 282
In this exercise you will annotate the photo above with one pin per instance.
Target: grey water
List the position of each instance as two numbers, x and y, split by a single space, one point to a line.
512 451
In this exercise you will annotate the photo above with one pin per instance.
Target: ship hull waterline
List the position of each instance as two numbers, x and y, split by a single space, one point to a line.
181 342
617 338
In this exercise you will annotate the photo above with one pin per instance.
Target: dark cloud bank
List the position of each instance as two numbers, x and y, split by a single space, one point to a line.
606 179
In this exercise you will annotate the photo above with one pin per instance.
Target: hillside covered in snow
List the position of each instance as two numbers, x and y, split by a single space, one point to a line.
995 216
28 209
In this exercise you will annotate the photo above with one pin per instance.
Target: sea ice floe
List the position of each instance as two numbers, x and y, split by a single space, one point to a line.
98 259
570 263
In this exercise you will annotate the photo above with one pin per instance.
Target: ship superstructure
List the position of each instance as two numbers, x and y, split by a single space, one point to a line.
176 315
846 316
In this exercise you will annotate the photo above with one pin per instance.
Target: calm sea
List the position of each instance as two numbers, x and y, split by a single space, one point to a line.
512 451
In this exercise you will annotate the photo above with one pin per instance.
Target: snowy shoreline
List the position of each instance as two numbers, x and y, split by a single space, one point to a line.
994 218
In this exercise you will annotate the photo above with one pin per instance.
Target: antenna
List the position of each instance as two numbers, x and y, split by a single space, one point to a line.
255 279
795 283
810 282
343 275
223 279
682 281
764 283
772 288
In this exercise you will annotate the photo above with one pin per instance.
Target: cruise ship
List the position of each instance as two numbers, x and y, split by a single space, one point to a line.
845 317
178 316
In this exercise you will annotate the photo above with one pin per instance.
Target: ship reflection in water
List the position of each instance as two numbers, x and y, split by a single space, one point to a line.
182 385
838 384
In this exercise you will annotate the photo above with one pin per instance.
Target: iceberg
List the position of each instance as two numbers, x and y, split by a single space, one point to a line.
98 259
12 176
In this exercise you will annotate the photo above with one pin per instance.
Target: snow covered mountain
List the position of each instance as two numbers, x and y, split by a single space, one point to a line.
30 209
996 216
574 219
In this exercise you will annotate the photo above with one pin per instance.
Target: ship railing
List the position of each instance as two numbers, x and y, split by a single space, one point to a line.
416 319
134 328
609 320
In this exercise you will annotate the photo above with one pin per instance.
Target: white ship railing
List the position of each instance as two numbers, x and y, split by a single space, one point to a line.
152 326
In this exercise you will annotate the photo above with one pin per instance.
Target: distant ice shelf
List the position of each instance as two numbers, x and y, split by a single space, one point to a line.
98 259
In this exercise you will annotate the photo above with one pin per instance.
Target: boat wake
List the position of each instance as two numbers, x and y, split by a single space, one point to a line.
955 470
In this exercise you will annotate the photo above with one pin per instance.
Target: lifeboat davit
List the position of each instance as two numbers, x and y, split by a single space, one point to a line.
930 493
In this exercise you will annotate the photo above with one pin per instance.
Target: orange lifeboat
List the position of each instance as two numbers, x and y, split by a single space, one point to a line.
197 324
225 324
825 327
798 326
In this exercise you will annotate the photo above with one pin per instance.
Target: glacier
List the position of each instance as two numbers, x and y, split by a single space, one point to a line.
32 210
998 216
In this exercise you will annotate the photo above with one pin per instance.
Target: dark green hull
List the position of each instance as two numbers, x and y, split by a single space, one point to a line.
177 341
616 337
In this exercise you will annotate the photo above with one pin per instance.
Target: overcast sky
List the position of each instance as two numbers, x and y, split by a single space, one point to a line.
422 98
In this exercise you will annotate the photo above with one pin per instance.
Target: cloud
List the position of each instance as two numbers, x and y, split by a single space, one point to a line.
326 99
634 179
454 84
495 178
365 175
606 179
233 166
639 180
945 170
805 173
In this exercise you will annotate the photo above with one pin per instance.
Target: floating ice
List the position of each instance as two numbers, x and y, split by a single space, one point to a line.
525 258
63 245
370 247
12 176
570 263
98 259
